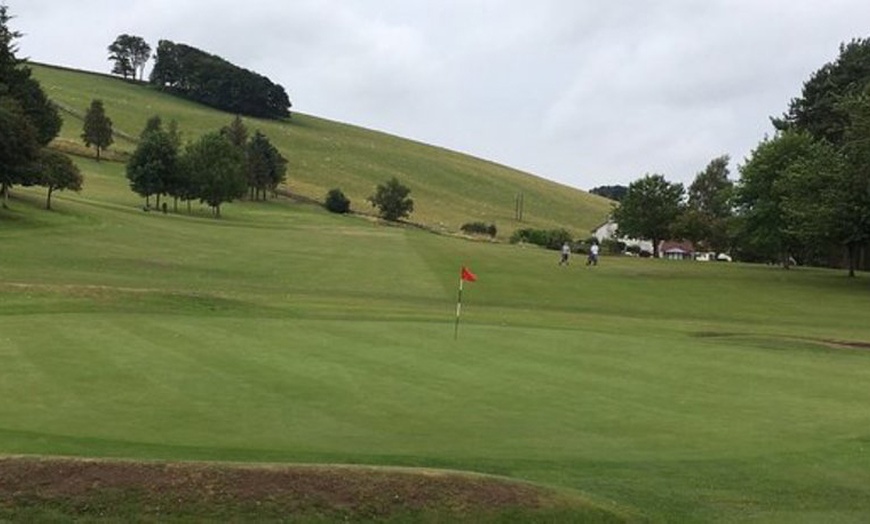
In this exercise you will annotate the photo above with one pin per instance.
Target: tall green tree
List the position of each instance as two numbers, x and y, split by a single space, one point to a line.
28 121
19 145
817 110
709 208
764 231
97 129
129 54
57 173
38 109
812 193
10 65
153 168
154 123
392 200
853 226
266 167
217 169
650 209
236 132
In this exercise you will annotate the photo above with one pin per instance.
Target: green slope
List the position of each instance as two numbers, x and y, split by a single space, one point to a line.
448 188
684 392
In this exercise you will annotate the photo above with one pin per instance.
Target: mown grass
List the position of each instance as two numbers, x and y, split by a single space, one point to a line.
448 188
281 333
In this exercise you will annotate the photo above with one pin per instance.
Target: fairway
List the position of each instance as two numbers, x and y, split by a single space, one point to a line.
284 334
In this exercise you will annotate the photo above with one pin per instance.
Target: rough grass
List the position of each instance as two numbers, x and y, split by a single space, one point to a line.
53 489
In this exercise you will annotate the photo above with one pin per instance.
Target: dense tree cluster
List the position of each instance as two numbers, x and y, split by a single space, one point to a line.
213 81
803 194
28 122
616 192
219 167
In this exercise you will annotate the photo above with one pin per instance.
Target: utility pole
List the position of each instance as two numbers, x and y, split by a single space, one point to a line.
519 204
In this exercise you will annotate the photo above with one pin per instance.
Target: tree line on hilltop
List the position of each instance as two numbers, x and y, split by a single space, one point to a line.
218 167
803 193
202 77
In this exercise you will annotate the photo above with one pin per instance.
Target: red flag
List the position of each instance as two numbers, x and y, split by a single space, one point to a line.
468 275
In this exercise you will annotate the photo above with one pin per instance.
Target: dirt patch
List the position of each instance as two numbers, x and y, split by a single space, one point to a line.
847 344
102 488
827 342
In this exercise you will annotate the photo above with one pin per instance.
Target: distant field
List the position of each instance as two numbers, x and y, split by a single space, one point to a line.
281 333
448 188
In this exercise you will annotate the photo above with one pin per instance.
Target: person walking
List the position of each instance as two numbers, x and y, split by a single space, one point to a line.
566 252
593 255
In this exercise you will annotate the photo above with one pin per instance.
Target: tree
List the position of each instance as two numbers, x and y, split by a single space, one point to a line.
153 167
818 111
140 53
129 54
97 129
709 208
649 209
392 200
208 79
28 120
812 192
616 192
217 169
236 132
9 63
853 203
336 202
764 227
119 55
266 167
155 123
19 145
57 173
38 109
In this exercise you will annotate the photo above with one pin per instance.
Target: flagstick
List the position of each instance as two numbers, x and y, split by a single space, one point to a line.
458 310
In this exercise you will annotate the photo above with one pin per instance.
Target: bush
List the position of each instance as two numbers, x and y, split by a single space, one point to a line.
337 202
548 238
634 249
479 228
612 247
392 200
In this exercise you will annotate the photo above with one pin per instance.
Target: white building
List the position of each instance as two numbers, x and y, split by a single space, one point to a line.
608 231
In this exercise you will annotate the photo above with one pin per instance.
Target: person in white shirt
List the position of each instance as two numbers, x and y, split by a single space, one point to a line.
593 255
566 252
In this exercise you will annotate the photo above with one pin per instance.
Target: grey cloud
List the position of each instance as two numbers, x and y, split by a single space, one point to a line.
585 93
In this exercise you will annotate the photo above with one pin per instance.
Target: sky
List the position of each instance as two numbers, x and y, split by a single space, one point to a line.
585 93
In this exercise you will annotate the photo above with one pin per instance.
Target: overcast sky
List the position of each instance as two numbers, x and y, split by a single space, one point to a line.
582 92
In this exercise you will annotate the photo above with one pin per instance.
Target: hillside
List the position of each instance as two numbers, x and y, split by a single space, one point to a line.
283 334
448 188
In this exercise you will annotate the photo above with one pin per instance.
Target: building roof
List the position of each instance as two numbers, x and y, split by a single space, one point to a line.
673 246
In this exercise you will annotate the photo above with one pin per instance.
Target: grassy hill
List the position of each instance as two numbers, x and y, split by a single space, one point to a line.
448 188
282 334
